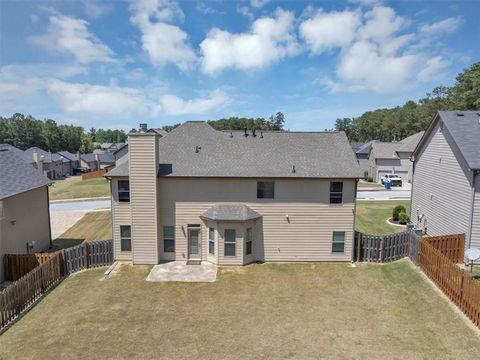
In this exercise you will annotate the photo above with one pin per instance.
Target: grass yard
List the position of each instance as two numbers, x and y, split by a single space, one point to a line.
265 311
372 215
95 225
74 188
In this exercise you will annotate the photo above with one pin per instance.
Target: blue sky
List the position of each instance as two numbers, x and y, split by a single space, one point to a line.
118 63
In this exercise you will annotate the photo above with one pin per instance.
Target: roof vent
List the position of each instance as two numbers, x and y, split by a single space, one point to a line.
261 134
460 114
293 170
246 133
197 149
231 134
253 133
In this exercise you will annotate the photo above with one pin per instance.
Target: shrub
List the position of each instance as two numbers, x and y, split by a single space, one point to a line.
365 175
370 179
397 210
403 218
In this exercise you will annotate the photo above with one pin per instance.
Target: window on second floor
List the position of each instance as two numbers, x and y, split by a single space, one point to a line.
336 192
123 191
265 190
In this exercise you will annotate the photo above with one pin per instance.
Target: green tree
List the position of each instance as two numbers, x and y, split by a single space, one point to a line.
86 143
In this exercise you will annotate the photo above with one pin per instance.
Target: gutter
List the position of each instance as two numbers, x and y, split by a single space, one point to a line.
475 173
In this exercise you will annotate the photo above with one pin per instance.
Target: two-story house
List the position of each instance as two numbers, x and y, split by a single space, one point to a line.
234 197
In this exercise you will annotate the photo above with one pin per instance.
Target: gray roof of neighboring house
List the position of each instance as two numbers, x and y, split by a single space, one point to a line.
464 126
356 146
230 212
365 148
88 157
17 176
17 151
385 150
68 155
410 143
106 158
45 154
158 131
269 154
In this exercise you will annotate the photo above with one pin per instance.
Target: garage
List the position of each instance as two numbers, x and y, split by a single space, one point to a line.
403 175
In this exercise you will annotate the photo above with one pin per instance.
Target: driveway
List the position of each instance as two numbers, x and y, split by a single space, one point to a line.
63 215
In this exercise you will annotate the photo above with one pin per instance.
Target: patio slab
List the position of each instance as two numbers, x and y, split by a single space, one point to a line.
180 271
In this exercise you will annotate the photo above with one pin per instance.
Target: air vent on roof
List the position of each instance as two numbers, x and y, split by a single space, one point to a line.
197 149
261 134
293 170
459 114
245 132
253 133
231 134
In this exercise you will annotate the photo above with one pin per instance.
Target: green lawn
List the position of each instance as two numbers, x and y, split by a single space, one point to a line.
372 215
74 187
295 311
96 225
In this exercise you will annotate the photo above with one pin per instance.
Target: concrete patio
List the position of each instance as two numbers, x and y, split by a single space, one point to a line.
180 271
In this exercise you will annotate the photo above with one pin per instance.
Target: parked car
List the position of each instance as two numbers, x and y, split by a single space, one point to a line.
395 180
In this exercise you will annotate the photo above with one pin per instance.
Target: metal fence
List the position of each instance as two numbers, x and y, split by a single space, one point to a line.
24 293
386 248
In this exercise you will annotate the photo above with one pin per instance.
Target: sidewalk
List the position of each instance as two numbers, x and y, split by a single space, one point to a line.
80 199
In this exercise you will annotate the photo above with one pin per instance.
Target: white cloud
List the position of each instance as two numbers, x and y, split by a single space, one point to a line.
259 3
164 43
375 51
448 25
70 35
173 105
270 39
330 30
95 8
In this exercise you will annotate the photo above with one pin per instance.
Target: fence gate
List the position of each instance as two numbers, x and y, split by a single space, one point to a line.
386 248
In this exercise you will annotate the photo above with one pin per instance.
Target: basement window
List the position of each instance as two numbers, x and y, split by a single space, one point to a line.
123 191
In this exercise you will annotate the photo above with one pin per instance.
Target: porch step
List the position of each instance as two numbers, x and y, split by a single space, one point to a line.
194 262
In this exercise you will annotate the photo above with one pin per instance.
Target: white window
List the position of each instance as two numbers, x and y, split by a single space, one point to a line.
338 242
125 238
248 241
211 241
229 242
169 239
123 191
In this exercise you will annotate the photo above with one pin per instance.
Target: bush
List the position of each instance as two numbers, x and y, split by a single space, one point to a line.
370 179
365 175
397 210
403 218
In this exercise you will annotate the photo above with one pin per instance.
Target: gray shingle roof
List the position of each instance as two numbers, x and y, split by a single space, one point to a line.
88 157
271 154
17 152
230 212
47 156
464 126
410 143
385 150
17 176
365 148
106 158
68 155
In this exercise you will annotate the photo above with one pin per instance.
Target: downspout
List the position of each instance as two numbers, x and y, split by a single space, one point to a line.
354 219
475 173
412 159
49 222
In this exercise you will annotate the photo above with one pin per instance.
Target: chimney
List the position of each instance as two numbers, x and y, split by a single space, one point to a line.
38 160
49 157
97 160
143 169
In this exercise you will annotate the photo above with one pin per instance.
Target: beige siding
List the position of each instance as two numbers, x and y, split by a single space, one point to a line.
475 242
307 237
143 153
120 216
25 218
442 191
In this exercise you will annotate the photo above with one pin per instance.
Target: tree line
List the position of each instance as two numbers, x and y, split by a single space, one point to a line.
414 116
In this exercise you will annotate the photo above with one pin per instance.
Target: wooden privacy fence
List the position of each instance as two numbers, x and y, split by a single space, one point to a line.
94 174
452 246
87 255
26 291
455 282
22 294
17 265
386 248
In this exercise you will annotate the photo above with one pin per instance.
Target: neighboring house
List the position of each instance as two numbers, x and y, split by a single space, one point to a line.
233 198
51 165
111 147
89 162
24 212
73 163
446 182
392 158
106 160
121 152
362 151
158 131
